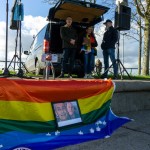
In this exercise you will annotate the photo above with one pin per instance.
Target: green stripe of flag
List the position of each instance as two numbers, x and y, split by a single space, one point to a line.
44 127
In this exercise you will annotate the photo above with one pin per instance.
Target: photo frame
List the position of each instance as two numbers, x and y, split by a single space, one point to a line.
66 113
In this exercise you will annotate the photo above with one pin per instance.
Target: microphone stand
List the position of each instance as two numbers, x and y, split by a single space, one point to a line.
20 71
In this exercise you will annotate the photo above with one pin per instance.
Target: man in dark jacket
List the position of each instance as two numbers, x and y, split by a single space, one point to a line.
108 46
69 40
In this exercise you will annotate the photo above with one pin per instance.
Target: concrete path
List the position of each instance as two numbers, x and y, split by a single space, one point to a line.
132 136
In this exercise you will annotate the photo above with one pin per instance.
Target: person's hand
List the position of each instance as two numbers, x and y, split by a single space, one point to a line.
72 41
85 41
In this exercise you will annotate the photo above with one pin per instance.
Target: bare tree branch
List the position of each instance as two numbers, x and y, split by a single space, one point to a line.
142 7
138 8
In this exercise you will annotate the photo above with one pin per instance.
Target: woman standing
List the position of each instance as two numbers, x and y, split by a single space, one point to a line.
88 46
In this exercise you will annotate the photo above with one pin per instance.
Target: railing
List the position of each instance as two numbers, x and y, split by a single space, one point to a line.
131 71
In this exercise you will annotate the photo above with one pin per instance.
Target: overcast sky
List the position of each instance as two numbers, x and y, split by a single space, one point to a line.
35 18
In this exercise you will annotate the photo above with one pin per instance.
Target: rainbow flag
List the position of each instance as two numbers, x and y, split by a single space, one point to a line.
44 115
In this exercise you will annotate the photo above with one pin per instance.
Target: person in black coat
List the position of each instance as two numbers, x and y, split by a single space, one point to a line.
108 46
69 45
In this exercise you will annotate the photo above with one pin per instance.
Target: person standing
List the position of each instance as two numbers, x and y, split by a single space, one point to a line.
88 47
69 45
108 46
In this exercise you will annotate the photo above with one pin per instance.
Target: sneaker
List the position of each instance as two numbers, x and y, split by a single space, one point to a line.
86 76
103 77
61 75
90 77
115 77
70 76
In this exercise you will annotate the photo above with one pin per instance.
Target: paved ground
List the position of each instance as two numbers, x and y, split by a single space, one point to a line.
132 136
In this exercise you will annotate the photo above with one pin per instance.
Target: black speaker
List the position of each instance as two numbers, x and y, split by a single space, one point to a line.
122 17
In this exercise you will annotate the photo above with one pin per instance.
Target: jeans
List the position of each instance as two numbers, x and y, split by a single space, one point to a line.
106 54
89 61
68 54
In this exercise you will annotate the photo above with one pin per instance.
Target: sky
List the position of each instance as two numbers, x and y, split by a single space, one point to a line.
35 13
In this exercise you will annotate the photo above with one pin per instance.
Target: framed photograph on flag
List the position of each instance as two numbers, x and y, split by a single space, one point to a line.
66 113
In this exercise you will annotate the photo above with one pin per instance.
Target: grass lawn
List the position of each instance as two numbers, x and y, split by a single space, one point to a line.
125 77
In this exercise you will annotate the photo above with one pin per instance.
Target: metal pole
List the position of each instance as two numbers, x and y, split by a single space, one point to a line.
16 46
123 46
20 45
6 71
20 72
123 50
6 34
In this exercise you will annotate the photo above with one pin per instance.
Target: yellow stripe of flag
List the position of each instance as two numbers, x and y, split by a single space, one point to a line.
28 111
95 102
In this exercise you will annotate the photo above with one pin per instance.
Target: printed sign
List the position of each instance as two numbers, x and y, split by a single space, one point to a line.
66 113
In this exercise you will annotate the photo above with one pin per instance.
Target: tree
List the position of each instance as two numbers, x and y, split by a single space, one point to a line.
143 9
140 46
136 31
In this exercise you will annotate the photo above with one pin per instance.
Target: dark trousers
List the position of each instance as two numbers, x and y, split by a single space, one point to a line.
110 53
68 57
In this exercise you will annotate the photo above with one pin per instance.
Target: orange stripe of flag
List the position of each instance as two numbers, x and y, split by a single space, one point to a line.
51 90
